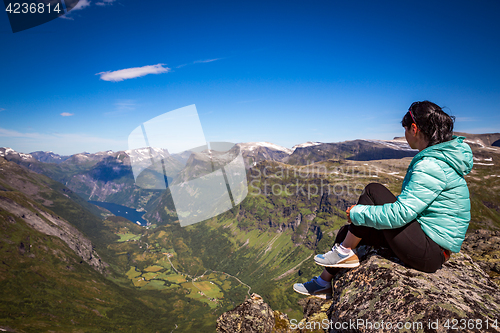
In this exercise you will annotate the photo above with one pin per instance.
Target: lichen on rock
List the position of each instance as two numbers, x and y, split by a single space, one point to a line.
484 248
315 314
383 290
253 315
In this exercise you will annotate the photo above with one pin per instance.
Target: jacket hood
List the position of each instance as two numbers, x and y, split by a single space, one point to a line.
456 153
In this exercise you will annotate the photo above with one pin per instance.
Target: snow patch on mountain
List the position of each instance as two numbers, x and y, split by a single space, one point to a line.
147 151
146 154
306 144
480 143
393 144
254 145
25 156
482 159
4 151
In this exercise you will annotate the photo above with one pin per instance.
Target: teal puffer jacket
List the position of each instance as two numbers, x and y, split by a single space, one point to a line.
434 192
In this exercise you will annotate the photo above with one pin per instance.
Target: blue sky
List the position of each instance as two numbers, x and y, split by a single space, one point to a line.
285 72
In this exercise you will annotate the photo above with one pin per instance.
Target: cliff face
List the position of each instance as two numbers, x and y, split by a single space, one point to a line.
29 197
53 225
382 295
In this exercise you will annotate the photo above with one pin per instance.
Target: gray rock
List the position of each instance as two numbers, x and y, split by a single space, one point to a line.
383 295
484 248
253 315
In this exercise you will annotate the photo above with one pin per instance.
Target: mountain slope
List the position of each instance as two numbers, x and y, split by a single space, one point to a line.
357 150
104 176
254 152
48 157
266 242
45 287
51 274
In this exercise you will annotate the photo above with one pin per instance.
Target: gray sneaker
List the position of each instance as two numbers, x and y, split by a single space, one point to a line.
334 258
312 288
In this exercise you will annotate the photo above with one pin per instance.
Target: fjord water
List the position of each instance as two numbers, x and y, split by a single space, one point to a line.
123 211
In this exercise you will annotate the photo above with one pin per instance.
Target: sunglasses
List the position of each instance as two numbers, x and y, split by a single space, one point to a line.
412 117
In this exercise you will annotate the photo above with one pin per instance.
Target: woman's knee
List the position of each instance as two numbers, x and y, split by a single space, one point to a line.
376 194
375 187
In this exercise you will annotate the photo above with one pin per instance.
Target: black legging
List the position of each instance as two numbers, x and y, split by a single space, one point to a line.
410 244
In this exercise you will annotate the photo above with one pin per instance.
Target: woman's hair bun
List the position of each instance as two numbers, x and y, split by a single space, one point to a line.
431 120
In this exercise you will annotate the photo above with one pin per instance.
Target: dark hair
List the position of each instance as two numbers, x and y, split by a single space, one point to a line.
431 120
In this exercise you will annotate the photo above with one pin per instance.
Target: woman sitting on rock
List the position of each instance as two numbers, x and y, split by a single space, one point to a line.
423 225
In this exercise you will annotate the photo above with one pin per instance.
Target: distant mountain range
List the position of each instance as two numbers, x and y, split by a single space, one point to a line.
108 176
48 157
266 241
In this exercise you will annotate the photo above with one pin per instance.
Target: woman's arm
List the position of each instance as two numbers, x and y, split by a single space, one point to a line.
427 181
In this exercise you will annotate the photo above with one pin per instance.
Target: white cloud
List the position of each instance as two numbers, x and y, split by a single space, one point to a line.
205 61
10 133
66 17
67 114
105 2
479 130
121 107
125 105
81 4
248 101
2 109
62 143
199 62
130 73
465 119
84 4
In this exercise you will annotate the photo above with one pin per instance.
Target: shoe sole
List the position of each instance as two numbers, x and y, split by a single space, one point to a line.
322 296
339 265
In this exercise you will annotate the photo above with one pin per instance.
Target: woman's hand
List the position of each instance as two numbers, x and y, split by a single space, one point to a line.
348 211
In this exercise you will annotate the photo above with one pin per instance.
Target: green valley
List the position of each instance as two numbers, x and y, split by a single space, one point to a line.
164 277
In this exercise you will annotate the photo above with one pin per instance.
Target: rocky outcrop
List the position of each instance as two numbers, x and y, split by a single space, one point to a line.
253 315
53 225
382 295
382 290
484 248
292 224
315 315
95 189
